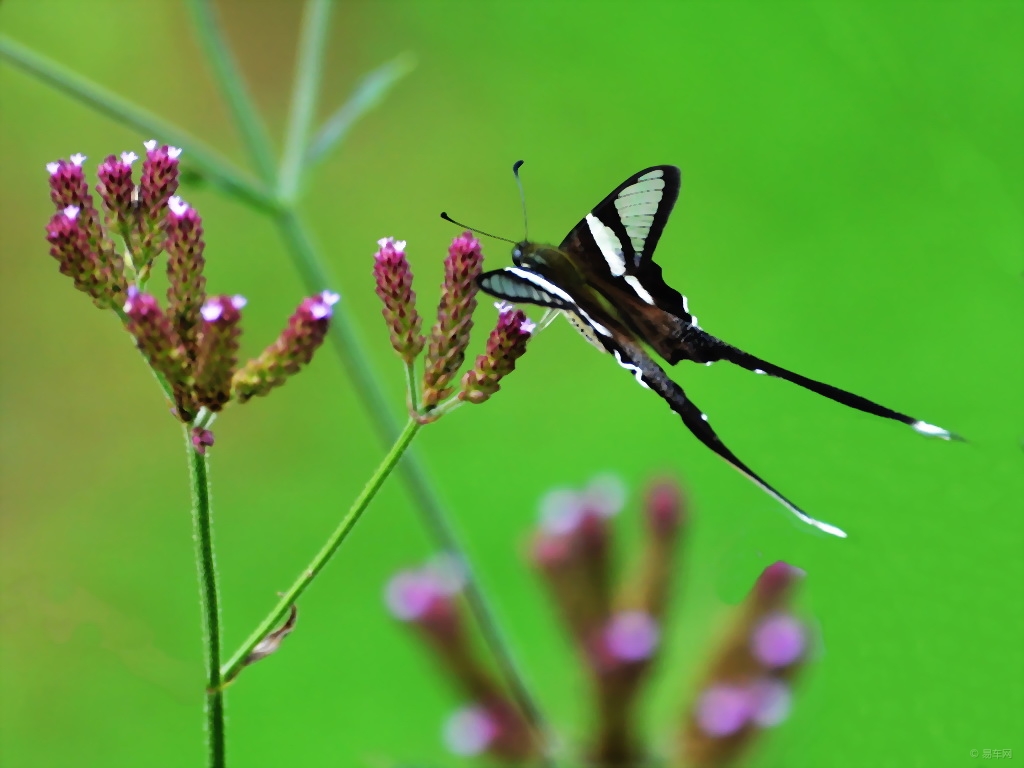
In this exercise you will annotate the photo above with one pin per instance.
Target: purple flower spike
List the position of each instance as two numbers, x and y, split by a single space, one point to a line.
778 641
116 189
470 731
293 349
631 636
394 287
217 352
724 709
67 183
450 335
159 342
158 184
78 252
505 345
186 290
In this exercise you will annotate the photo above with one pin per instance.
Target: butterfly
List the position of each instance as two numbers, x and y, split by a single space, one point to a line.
603 278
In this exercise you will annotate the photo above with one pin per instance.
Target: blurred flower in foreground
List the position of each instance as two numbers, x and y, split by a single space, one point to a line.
618 627
445 348
193 343
748 684
427 599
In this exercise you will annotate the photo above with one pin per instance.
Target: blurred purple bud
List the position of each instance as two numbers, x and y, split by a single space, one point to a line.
778 640
775 581
724 709
470 731
631 636
562 511
773 700
413 595
664 507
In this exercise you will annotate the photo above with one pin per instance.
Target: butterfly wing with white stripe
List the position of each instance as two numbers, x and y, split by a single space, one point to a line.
616 240
615 244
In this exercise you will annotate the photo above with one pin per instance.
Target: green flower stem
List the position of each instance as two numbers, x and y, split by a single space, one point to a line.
203 535
217 169
412 386
311 47
307 263
277 615
225 69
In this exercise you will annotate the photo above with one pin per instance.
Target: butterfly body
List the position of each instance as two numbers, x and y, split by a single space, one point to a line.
603 278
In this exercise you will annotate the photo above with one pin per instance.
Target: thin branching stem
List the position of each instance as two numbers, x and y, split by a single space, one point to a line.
278 613
305 259
229 78
216 169
309 65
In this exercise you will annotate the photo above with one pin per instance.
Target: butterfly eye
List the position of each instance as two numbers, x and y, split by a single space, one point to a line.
517 254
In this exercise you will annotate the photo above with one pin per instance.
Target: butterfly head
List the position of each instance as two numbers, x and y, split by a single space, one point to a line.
531 255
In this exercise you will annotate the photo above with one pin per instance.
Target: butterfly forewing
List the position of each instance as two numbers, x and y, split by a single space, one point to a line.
616 240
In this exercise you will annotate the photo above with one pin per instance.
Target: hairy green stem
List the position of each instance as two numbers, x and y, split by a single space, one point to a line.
208 597
277 615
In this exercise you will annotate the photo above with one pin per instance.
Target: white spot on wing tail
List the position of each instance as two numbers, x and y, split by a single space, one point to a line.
930 430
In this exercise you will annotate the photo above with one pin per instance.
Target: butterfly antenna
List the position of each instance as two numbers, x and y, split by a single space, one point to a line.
446 217
522 197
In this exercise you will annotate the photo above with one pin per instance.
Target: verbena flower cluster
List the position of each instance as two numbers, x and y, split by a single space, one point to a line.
618 627
192 340
449 337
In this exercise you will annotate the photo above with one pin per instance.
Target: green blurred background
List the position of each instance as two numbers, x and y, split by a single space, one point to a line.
851 208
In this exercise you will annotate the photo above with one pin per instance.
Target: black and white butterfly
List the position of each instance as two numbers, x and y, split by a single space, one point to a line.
604 280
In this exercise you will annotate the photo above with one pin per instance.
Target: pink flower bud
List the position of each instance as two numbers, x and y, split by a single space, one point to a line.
201 440
186 289
79 259
505 345
293 349
158 184
116 189
217 351
449 337
159 343
394 287
100 273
